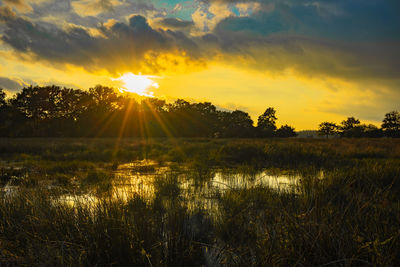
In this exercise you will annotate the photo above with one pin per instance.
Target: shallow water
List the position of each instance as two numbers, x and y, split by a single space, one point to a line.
194 188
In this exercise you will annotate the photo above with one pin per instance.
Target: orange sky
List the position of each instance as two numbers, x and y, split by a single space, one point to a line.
298 57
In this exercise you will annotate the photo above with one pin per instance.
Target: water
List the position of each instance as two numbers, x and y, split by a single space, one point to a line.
194 188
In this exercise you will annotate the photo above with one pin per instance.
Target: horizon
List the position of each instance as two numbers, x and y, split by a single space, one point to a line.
313 61
138 97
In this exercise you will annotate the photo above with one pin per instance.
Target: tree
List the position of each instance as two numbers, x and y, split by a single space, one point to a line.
2 98
349 123
266 124
105 98
3 112
371 131
351 128
391 124
154 104
37 104
327 129
235 124
286 131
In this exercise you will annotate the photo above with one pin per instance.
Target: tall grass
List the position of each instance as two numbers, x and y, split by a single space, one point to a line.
349 216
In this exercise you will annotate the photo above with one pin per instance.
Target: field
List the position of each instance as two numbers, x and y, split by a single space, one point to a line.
182 202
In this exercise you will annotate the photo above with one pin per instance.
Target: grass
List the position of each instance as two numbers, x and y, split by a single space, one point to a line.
347 217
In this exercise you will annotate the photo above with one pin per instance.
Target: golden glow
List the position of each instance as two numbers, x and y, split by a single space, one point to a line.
301 101
139 84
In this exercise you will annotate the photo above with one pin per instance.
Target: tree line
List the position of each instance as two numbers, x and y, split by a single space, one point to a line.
352 127
53 111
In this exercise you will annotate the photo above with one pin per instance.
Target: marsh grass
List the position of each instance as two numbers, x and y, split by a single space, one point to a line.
344 212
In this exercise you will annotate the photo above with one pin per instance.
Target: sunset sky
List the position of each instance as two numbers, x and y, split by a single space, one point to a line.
312 60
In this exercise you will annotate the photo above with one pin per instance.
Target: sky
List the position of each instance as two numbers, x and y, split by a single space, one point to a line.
312 60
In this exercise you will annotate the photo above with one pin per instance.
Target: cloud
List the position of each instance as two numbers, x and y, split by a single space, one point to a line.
247 8
348 39
45 41
92 8
21 5
175 23
11 84
207 16
119 46
311 56
177 8
345 20
88 13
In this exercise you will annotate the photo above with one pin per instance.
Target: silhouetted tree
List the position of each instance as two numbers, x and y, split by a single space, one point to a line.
391 124
3 113
266 124
2 98
12 121
351 128
99 115
104 97
235 124
371 131
327 129
101 111
207 118
37 104
286 131
349 123
154 105
180 118
152 117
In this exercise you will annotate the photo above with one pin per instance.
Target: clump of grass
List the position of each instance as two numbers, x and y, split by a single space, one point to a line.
62 180
239 154
167 185
69 167
114 166
97 177
143 169
6 174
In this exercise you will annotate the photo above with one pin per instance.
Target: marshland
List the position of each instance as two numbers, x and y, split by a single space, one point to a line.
199 133
199 201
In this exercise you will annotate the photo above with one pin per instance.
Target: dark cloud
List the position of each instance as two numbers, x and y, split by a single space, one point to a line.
46 41
52 7
64 11
311 56
11 85
61 9
175 23
121 44
339 20
348 39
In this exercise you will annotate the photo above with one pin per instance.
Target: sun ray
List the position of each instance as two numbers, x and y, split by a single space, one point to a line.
122 129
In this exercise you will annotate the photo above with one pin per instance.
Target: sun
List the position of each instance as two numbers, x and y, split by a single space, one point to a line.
139 84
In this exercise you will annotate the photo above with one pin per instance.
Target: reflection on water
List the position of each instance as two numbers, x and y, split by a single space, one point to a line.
223 180
195 189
